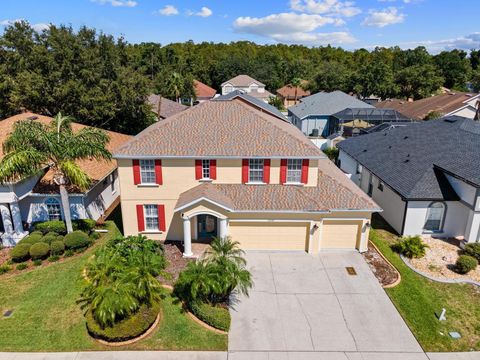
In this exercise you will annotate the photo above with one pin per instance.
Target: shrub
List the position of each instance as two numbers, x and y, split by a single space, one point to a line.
95 235
473 250
36 233
410 246
77 239
22 266
465 264
20 253
68 253
53 258
85 225
31 239
5 268
37 262
216 316
49 239
125 329
39 250
57 247
57 226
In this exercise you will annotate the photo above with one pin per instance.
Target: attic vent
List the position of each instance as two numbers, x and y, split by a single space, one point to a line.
32 117
389 146
451 120
407 160
405 137
364 150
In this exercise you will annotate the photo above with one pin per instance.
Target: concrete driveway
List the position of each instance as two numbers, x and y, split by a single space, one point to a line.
305 303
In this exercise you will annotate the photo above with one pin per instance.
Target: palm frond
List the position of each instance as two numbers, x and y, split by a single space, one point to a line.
26 133
75 174
21 164
88 143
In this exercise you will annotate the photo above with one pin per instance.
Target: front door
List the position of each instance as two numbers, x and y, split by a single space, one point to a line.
207 226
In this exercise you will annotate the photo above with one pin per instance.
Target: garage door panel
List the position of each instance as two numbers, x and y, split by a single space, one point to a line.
270 236
340 235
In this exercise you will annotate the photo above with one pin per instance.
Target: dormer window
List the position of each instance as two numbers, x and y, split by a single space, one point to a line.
294 171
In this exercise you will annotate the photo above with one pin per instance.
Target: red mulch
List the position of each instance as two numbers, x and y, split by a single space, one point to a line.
382 270
176 263
4 255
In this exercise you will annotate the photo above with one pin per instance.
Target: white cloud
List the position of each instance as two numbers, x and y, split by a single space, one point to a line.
382 18
204 12
168 10
37 27
467 42
293 28
117 3
327 7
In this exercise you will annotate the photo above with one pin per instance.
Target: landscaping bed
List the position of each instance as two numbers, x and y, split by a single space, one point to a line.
439 260
175 263
383 271
418 300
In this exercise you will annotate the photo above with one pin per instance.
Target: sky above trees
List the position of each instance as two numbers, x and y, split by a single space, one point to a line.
436 24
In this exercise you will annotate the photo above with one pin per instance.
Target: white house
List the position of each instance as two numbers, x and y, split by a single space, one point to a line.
425 176
36 198
246 84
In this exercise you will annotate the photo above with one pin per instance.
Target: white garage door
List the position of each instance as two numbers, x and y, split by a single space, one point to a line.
340 234
270 236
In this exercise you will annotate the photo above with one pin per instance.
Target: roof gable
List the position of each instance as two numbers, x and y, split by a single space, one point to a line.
242 81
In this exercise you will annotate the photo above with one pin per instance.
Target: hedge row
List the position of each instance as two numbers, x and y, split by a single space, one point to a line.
58 226
127 329
216 316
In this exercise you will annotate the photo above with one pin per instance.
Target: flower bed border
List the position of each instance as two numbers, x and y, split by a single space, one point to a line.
399 278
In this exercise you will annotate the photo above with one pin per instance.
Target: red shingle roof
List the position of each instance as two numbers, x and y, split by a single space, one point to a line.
203 91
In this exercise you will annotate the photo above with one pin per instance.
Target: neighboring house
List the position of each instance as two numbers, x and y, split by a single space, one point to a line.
36 198
227 168
163 107
258 104
203 92
246 84
313 115
425 176
290 94
449 103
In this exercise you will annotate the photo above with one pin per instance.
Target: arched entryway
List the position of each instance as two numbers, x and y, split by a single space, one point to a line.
206 227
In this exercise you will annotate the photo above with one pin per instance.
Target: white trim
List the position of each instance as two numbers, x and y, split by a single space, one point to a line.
199 200
213 157
271 220
148 185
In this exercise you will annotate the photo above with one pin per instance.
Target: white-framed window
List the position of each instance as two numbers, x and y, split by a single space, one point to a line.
359 168
228 89
255 170
147 171
254 87
53 209
205 169
151 217
294 170
434 218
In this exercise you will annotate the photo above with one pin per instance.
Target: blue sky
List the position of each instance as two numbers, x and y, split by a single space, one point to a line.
437 24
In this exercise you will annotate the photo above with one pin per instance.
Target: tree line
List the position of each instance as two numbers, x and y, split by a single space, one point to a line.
104 81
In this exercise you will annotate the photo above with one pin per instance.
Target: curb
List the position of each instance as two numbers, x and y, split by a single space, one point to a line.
399 279
445 281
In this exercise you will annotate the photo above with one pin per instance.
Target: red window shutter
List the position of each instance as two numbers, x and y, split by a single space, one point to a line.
161 218
158 172
283 171
213 169
266 171
305 164
140 218
136 172
198 169
244 171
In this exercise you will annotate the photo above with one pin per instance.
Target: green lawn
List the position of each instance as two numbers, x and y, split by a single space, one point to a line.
47 318
417 299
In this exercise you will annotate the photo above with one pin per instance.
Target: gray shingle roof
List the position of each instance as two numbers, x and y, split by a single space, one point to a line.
324 103
411 159
254 101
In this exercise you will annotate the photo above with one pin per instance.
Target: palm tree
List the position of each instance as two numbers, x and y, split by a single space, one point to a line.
225 249
33 147
296 82
175 85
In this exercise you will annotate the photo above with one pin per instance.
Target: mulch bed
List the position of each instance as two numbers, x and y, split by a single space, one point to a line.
4 255
176 263
382 270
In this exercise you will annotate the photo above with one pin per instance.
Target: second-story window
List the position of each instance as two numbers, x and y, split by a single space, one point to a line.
255 171
206 169
147 171
294 170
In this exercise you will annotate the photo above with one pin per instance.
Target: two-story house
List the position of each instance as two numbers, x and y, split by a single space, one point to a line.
425 176
36 198
227 168
246 84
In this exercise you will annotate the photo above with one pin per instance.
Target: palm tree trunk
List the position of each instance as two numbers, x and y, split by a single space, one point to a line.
66 208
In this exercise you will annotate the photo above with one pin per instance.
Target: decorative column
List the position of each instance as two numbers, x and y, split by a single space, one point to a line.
187 237
223 228
17 217
6 219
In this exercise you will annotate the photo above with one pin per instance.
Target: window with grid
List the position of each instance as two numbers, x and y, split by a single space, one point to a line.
294 170
151 217
434 219
147 171
53 209
255 170
206 169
